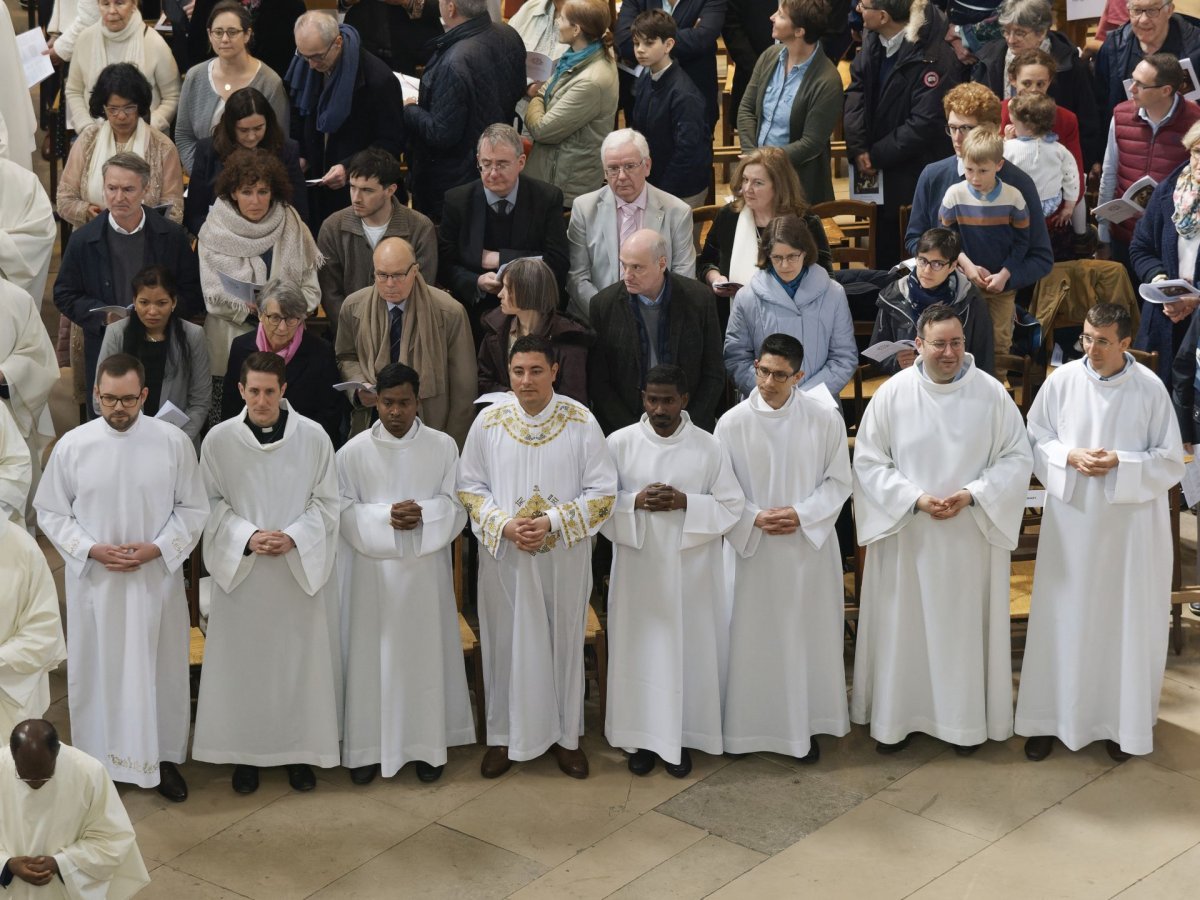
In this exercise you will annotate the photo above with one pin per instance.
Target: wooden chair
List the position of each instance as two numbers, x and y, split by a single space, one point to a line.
905 215
472 651
859 233
595 637
726 157
703 217
728 112
858 392
1021 391
1148 358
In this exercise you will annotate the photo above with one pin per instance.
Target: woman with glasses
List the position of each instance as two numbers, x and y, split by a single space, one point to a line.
121 101
272 20
790 294
937 279
252 234
121 36
570 114
311 367
171 349
209 85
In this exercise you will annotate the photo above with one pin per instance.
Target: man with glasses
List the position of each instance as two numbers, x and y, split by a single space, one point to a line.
941 466
501 216
401 318
123 503
603 220
62 821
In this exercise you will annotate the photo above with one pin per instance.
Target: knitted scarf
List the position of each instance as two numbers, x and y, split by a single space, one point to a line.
921 298
330 94
127 45
1187 203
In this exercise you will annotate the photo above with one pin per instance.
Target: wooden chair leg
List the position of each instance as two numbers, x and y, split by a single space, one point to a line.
480 709
602 672
1177 629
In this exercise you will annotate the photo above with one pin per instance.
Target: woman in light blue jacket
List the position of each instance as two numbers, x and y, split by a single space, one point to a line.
792 294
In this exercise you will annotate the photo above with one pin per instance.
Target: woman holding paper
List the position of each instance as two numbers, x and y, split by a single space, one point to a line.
252 234
171 349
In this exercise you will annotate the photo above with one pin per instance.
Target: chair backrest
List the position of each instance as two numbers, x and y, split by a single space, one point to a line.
859 241
1148 358
1028 372
703 216
905 215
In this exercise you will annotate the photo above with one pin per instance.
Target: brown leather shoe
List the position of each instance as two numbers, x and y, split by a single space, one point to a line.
1115 753
495 762
571 762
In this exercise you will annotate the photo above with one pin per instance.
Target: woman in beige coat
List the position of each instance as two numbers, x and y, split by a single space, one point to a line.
571 113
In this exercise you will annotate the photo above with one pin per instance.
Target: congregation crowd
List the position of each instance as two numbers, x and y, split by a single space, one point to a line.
366 284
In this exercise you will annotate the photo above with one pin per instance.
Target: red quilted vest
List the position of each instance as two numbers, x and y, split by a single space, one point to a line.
1142 152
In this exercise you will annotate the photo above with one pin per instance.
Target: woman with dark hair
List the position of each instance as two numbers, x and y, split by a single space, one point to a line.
790 294
121 98
252 235
248 122
171 349
272 21
528 305
209 85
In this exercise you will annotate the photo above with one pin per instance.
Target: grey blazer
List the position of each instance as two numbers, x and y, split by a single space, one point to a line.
187 386
592 237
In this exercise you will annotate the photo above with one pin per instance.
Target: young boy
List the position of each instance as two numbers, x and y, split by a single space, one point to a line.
992 222
669 110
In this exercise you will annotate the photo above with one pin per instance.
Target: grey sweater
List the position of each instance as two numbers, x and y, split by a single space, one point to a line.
198 103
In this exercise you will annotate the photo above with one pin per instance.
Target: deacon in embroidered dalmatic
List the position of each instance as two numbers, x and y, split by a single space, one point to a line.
123 502
787 680
272 682
538 482
941 465
64 834
1106 446
406 689
677 496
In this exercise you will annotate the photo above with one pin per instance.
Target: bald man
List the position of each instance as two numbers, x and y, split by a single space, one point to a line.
650 317
401 318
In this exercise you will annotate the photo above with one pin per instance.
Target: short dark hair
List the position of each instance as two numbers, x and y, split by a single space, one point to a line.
262 361
242 104
118 366
50 735
245 168
899 10
155 276
532 343
395 375
943 240
791 230
230 6
668 373
811 15
1167 69
1104 314
785 345
1035 57
377 163
931 315
124 80
655 23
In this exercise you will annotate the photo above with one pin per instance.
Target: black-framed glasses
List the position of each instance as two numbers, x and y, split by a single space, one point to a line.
318 57
110 401
772 374
936 264
231 33
786 259
963 130
275 320
394 276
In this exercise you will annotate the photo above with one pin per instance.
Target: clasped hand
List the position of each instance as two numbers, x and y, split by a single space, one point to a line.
270 543
527 533
35 870
946 508
778 520
124 557
1092 462
659 497
406 515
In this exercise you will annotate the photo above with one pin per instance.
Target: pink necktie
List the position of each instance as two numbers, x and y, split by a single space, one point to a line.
628 223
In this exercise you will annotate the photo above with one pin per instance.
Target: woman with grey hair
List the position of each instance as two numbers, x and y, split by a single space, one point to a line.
1026 26
311 367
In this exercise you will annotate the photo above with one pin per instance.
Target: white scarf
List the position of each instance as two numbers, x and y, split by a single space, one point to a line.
743 262
127 45
103 149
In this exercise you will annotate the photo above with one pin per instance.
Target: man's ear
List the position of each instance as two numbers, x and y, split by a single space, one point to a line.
683 400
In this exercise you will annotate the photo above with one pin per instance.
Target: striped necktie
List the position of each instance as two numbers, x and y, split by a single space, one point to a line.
395 331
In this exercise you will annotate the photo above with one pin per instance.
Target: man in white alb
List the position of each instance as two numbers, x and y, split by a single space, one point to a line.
16 472
27 229
941 466
1106 447
123 502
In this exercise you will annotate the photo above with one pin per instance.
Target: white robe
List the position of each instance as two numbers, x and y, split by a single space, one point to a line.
127 663
1098 622
77 818
533 607
27 229
787 678
406 688
664 595
271 689
934 651
31 636
16 103
16 472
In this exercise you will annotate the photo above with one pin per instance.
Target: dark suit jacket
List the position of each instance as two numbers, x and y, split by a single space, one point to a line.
539 229
615 361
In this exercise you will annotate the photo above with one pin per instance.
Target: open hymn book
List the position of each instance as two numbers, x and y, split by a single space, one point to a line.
1129 204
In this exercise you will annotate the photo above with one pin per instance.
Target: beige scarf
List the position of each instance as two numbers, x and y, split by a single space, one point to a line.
103 149
234 245
423 346
127 45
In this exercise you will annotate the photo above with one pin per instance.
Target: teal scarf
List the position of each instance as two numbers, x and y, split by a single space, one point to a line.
569 60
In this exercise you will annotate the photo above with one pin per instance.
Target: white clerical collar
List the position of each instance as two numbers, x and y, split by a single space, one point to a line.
968 363
128 431
387 437
1115 376
684 421
546 412
119 230
759 405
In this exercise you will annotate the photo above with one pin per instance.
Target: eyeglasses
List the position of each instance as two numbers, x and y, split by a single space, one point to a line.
953 344
231 33
866 8
936 264
318 57
963 130
128 109
787 259
274 320
394 276
1018 33
1103 343
1135 84
499 166
627 168
778 377
129 401
1149 12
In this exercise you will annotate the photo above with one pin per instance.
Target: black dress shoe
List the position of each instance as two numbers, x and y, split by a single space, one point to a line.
301 777
245 779
1115 753
171 784
1039 747
685 764
813 754
889 749
641 762
362 774
966 749
428 773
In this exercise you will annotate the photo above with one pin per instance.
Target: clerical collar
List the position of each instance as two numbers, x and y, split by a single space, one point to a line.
268 434
968 361
674 437
491 196
384 435
1087 364
119 230
760 405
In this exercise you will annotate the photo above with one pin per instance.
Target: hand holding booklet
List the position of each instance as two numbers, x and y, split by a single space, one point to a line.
538 66
353 387
1170 291
887 349
246 291
1130 204
120 312
169 412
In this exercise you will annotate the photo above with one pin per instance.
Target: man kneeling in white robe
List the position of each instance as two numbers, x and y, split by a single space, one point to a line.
271 686
1106 446
63 831
664 596
787 679
538 482
406 689
941 465
123 502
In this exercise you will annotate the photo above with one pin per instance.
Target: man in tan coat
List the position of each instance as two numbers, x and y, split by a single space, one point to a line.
400 318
